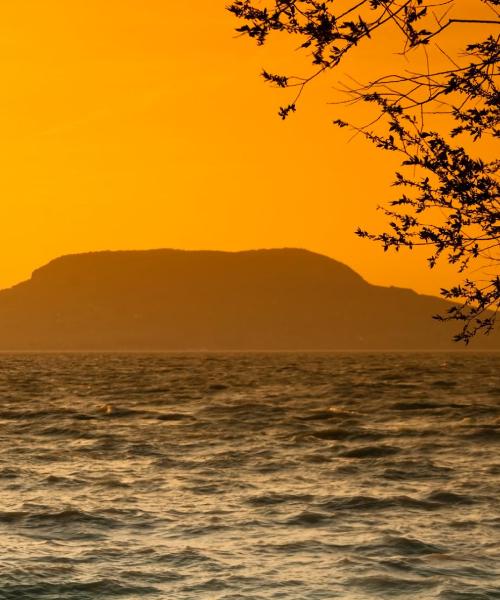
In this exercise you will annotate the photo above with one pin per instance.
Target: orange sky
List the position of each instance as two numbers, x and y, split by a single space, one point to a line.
128 124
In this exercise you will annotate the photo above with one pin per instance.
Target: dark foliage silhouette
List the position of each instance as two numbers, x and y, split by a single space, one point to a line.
436 119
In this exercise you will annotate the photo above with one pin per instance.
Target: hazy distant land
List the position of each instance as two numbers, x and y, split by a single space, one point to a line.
283 299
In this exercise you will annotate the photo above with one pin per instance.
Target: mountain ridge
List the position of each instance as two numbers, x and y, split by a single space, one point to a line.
179 300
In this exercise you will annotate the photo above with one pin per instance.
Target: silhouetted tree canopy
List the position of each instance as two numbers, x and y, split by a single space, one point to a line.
448 185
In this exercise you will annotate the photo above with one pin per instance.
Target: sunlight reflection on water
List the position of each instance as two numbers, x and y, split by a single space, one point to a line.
308 476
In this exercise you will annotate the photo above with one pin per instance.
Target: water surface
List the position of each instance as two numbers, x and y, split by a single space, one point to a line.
297 476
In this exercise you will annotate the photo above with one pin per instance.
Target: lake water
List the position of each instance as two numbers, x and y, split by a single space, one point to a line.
297 476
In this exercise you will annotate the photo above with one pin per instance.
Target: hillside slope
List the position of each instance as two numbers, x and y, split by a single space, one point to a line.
285 299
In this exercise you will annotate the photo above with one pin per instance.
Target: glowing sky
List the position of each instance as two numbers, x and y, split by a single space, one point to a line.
130 124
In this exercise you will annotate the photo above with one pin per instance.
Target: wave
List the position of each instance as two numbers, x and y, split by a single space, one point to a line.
352 434
370 452
388 585
309 518
277 498
401 546
374 504
449 498
100 588
305 476
174 417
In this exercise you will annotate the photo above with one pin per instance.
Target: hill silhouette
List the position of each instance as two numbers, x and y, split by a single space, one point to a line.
282 299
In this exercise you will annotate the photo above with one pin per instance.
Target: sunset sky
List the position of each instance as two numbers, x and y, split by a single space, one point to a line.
128 125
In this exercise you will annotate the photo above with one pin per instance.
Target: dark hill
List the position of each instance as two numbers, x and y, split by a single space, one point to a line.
177 300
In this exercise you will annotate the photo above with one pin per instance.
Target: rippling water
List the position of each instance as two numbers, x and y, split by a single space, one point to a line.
250 476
